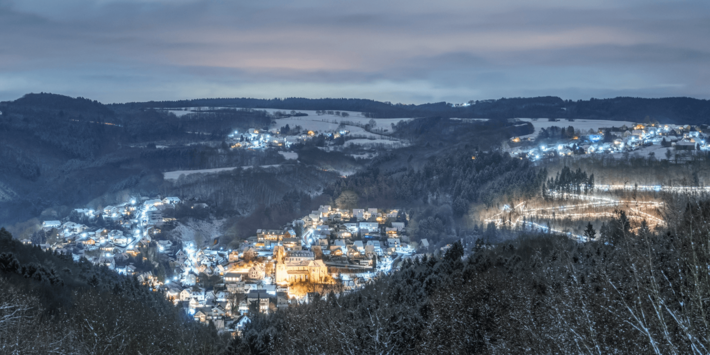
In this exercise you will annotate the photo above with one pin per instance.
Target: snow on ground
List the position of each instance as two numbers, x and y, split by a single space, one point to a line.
315 122
658 151
364 156
373 141
289 155
174 175
325 124
583 125
355 117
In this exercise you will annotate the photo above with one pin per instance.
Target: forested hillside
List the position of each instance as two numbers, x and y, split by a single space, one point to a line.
50 304
58 152
673 109
629 293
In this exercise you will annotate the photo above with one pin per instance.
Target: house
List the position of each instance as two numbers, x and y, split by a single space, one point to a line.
260 298
270 289
198 294
193 304
359 214
190 279
257 272
234 287
343 234
292 243
108 261
185 295
269 235
233 256
218 312
232 277
365 262
281 301
210 296
221 296
684 145
249 286
398 225
352 227
200 317
369 227
393 242
375 246
171 291
339 244
352 251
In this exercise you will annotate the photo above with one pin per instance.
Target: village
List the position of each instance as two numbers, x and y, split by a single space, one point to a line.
644 139
329 250
254 138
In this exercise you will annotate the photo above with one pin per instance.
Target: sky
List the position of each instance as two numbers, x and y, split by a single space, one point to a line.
411 51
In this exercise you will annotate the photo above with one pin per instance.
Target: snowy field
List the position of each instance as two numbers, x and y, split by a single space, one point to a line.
583 125
174 175
658 151
364 142
289 155
364 156
323 124
355 117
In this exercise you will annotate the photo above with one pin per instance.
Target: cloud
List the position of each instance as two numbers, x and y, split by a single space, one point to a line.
407 51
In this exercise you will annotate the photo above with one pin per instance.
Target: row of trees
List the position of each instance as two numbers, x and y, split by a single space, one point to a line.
571 181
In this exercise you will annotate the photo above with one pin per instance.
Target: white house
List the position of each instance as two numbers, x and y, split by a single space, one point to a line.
369 227
257 272
359 214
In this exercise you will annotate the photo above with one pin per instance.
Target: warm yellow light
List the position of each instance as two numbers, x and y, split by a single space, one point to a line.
473 158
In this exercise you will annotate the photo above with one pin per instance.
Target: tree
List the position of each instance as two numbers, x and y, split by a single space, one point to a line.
318 252
347 200
668 154
590 233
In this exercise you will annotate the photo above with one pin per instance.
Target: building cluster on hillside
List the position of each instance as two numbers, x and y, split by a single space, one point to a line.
277 266
617 140
333 248
257 138
131 225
